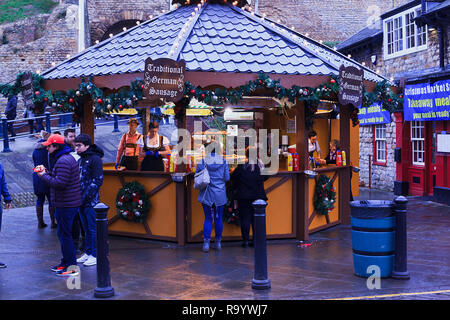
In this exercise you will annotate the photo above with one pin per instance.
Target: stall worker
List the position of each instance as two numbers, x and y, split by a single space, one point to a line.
331 158
313 144
128 151
153 148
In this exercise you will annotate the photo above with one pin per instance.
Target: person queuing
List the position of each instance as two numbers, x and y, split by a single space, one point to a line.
91 178
6 197
213 198
249 186
65 195
11 113
128 150
77 227
153 148
41 189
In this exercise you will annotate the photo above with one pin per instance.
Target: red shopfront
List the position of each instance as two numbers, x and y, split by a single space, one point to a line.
423 157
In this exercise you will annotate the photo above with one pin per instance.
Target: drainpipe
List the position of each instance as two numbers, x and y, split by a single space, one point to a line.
256 6
441 47
81 32
83 26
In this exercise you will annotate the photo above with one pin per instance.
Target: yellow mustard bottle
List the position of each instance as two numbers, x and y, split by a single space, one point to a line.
290 161
344 161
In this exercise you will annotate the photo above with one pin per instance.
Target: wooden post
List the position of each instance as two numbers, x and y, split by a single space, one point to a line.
181 192
302 180
344 174
88 121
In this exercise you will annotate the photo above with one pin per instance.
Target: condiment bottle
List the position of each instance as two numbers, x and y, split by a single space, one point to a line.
344 161
296 159
338 158
290 162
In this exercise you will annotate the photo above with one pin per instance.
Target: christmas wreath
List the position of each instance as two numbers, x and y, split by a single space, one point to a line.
324 195
132 202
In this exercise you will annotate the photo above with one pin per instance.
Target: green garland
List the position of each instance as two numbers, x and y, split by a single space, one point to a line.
132 202
324 195
72 100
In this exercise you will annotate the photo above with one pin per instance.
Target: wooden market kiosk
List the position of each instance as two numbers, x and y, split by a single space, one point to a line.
175 214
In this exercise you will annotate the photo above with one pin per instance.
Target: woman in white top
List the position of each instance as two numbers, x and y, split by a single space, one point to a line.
153 148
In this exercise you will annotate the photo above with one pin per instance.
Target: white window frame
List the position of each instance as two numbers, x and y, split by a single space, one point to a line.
380 143
396 33
418 142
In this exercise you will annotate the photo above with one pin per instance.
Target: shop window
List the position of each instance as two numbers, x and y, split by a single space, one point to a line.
380 149
418 142
402 35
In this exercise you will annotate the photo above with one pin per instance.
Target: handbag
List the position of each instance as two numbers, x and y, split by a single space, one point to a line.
201 179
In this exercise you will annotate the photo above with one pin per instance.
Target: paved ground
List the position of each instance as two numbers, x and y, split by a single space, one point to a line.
143 269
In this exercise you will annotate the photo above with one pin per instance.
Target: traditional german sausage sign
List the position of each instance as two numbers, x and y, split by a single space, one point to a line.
164 79
351 87
27 89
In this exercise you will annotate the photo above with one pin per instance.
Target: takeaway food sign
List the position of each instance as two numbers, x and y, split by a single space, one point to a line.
164 79
427 101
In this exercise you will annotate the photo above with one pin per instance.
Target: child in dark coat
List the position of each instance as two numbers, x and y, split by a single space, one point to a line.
91 177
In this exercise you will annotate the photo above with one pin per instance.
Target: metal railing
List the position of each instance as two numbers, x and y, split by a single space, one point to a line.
64 121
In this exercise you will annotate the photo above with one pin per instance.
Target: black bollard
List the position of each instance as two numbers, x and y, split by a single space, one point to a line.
5 135
48 125
116 123
260 279
400 270
104 288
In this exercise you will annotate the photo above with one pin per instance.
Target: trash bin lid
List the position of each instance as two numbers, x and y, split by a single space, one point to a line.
371 209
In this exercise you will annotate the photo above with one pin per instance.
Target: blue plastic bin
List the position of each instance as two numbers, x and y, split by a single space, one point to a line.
373 236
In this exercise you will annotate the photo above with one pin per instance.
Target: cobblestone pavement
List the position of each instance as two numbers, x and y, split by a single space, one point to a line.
143 269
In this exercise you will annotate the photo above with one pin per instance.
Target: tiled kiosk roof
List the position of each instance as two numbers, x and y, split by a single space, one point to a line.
216 38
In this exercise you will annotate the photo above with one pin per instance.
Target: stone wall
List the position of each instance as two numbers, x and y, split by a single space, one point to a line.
103 14
383 177
36 43
326 20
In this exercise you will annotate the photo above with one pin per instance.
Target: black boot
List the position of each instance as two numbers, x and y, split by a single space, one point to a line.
40 217
51 212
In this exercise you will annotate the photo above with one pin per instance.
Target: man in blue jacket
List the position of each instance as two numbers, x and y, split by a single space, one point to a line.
91 178
6 196
65 195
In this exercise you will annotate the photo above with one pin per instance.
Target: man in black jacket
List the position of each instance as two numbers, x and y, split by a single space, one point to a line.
91 176
11 113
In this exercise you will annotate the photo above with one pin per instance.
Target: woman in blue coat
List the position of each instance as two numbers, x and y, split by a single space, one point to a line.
6 196
213 198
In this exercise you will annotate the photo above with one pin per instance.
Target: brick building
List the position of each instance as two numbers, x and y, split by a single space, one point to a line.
409 45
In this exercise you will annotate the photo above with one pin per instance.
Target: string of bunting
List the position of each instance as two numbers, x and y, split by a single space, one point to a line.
72 100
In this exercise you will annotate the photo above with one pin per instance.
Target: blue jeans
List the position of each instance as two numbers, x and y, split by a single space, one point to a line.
218 224
87 217
64 218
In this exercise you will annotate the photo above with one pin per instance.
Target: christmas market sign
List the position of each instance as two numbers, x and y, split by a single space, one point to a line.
164 79
427 102
351 88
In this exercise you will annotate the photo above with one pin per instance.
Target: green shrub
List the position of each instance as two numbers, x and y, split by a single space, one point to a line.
15 10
